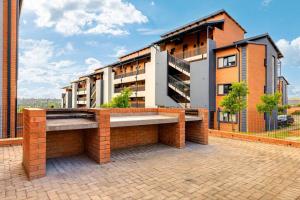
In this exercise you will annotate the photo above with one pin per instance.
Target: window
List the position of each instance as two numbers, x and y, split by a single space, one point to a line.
226 117
224 89
228 61
273 74
172 51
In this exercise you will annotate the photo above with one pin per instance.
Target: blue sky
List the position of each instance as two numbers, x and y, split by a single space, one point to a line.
63 39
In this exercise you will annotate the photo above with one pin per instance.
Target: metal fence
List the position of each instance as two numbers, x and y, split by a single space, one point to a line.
286 127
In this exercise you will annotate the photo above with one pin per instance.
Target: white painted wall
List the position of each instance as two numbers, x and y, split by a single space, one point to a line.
150 81
74 95
88 92
107 84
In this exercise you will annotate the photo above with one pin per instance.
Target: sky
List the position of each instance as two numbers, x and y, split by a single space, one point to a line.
61 40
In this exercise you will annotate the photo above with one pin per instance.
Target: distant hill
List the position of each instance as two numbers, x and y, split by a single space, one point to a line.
38 103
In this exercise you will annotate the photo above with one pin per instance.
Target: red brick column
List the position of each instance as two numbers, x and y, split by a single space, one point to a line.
204 124
172 134
97 141
34 142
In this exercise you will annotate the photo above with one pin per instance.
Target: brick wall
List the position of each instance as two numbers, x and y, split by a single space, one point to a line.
253 138
172 134
34 143
64 143
97 141
198 131
125 137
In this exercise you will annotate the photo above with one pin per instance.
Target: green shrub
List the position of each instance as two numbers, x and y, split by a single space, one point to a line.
120 101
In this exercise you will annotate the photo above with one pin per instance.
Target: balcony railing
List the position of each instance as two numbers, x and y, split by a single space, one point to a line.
191 53
178 84
142 71
133 88
137 105
182 64
81 89
81 99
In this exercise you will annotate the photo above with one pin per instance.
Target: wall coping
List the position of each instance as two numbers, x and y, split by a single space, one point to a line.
252 138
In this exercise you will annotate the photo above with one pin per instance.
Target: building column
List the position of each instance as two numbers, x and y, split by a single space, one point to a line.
74 95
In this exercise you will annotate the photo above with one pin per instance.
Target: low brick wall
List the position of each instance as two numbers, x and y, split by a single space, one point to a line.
253 138
198 131
11 142
64 143
133 136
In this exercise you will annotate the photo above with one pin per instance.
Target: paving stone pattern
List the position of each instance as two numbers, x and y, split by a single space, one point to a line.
224 169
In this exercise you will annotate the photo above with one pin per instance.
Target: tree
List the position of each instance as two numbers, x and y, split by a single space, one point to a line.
120 101
235 101
269 104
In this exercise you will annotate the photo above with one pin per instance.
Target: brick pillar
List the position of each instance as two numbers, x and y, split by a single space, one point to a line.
204 124
97 141
34 142
172 134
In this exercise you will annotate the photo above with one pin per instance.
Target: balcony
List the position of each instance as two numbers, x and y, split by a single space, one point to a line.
81 91
133 88
193 54
130 77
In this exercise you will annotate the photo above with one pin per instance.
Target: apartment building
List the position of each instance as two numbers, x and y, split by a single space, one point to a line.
9 20
283 89
194 66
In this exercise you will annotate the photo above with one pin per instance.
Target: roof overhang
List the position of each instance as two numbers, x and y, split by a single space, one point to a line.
120 63
200 26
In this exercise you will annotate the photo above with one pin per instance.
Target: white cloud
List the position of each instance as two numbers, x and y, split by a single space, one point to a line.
148 31
92 43
74 17
266 2
152 3
120 51
41 67
92 64
66 50
291 52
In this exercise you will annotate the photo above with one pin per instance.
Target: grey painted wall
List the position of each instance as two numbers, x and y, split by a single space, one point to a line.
69 99
203 78
244 78
1 61
211 56
161 81
99 93
200 84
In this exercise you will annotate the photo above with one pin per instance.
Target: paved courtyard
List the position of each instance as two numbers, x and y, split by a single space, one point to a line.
225 169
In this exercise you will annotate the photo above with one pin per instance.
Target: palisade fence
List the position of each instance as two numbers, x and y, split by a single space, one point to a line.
285 127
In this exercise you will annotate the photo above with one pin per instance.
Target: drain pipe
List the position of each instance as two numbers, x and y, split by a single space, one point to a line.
239 79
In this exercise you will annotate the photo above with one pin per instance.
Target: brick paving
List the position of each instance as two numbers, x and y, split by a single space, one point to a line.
224 169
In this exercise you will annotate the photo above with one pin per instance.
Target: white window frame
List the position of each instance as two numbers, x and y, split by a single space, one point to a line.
225 59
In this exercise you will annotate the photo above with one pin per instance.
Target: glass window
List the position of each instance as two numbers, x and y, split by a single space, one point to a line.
228 61
225 117
224 89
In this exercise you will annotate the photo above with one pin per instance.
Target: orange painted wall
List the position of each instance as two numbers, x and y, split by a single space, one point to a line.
223 76
231 33
256 83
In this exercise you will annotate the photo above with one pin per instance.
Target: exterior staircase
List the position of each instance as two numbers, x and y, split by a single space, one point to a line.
179 81
93 95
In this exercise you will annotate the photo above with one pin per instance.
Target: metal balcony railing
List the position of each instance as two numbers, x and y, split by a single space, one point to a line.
133 88
191 53
180 85
142 71
182 64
